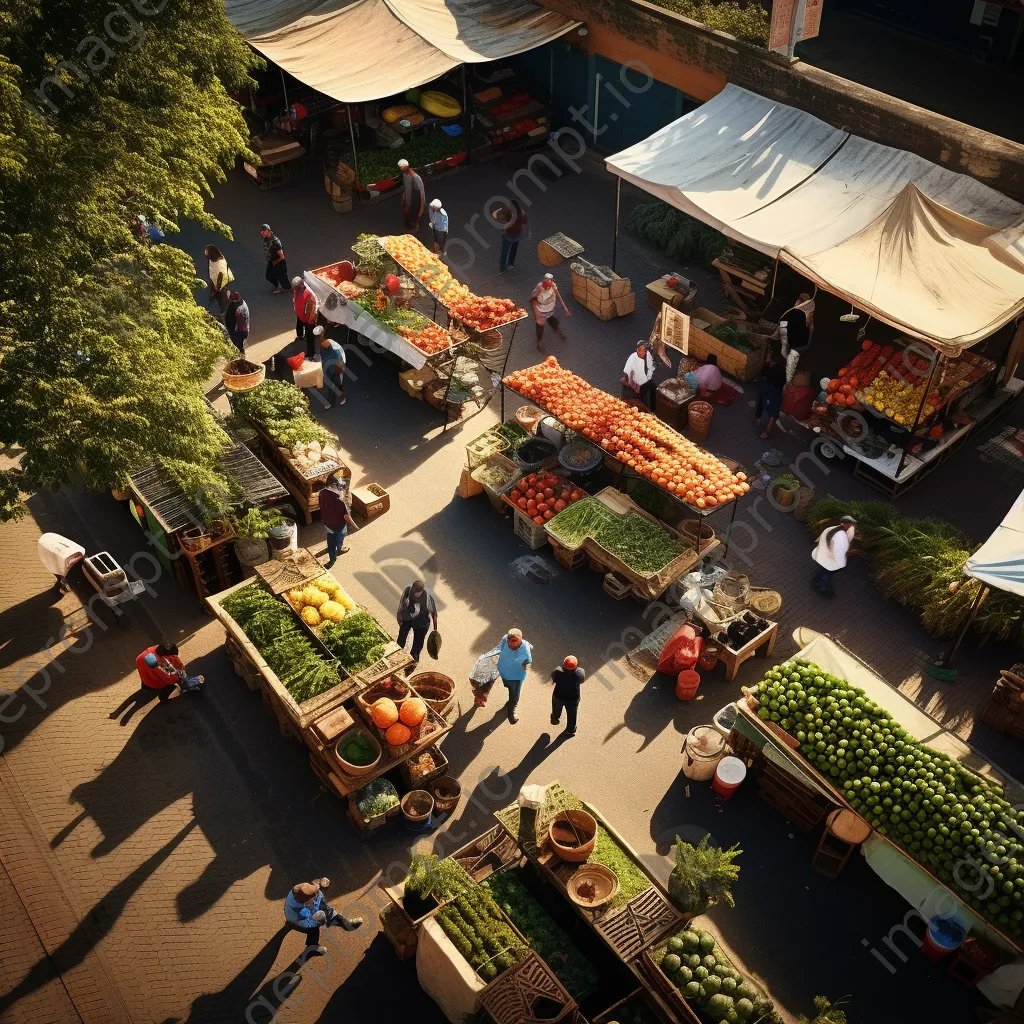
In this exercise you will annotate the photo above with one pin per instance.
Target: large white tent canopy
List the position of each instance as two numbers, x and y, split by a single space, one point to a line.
932 252
360 50
999 562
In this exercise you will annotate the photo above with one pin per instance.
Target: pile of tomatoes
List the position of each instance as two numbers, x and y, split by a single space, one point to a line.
637 439
481 312
542 496
430 339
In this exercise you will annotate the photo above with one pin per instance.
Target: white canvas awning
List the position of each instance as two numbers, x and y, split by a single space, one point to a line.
999 562
360 50
932 252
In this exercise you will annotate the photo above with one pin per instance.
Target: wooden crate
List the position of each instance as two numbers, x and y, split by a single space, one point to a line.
571 560
370 501
400 933
528 531
745 366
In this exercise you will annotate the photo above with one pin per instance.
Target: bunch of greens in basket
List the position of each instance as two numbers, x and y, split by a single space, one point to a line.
357 641
477 927
373 259
430 875
920 562
256 523
283 412
275 632
376 798
679 235
547 939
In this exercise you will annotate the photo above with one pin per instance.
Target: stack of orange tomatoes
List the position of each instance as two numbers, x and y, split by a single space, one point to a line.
542 496
637 439
430 339
481 312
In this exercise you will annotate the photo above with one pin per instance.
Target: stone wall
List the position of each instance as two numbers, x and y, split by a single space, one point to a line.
699 61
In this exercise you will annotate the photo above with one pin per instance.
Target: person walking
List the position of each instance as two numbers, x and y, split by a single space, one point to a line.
638 376
438 225
307 308
514 657
416 610
220 277
306 911
337 518
277 265
513 218
566 693
236 320
332 362
542 301
770 387
795 328
414 197
830 553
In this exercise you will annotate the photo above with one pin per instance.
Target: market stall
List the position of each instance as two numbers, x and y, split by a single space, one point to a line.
303 453
330 675
930 801
453 364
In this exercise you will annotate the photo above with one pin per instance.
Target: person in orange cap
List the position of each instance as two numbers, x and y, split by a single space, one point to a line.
566 694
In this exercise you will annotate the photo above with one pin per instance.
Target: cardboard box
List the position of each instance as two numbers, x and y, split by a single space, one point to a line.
625 303
370 501
619 287
412 382
309 375
745 366
603 309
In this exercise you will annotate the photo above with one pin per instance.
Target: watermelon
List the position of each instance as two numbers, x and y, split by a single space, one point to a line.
722 971
671 963
676 945
744 1008
732 1017
718 1006
693 961
744 990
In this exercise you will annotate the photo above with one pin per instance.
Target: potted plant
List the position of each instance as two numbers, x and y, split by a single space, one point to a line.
703 876
784 490
431 882
826 1012
251 530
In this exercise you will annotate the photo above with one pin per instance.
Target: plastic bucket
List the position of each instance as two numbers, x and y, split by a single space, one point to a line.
943 937
283 538
729 773
687 683
725 719
702 750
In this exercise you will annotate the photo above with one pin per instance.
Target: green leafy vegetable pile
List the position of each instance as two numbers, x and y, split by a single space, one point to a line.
632 881
373 258
644 546
358 750
733 336
376 798
955 823
283 412
695 963
681 236
475 924
381 164
277 635
357 641
547 939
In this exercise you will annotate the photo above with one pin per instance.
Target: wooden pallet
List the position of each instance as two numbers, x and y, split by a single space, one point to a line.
644 919
510 998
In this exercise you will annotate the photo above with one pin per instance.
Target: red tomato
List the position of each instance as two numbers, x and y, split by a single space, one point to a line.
549 492
515 496
559 505
549 514
539 520
542 506
531 493
532 479
521 503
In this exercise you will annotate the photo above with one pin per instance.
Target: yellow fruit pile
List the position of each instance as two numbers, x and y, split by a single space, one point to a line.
322 600
895 398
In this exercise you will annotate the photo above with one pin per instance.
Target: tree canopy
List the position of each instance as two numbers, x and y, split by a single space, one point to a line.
107 113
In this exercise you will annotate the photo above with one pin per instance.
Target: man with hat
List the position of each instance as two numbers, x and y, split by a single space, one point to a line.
414 196
566 694
332 362
307 309
438 225
277 266
542 301
305 910
830 553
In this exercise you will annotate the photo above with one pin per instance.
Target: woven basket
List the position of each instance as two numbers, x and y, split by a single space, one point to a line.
765 602
242 381
732 590
548 255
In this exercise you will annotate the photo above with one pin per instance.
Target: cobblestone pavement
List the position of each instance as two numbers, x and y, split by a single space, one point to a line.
174 838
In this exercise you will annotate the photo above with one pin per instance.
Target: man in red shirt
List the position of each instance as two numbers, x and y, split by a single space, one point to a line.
307 308
160 670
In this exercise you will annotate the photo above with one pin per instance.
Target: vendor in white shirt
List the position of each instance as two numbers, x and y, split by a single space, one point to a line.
438 225
830 553
638 381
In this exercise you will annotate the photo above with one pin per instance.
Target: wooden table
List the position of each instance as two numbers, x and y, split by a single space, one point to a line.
763 644
745 290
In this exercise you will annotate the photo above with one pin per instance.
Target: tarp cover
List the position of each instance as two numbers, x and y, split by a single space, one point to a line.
360 50
932 252
999 562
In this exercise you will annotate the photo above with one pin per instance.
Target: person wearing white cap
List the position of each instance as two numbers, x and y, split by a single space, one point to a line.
514 655
332 362
414 197
438 225
307 308
543 301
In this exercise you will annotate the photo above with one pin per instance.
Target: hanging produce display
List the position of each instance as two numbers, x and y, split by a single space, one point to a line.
952 821
638 439
481 312
404 321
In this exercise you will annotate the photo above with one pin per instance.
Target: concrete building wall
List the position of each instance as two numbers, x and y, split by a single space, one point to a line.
699 61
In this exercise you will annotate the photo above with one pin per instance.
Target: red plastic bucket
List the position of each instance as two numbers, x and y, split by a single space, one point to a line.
686 684
731 771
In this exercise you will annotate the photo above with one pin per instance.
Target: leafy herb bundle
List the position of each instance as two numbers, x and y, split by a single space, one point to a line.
475 923
283 412
357 641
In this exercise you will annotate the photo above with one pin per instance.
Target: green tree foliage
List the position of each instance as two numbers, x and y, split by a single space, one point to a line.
103 349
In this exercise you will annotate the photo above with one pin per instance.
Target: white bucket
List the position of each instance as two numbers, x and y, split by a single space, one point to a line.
725 719
702 750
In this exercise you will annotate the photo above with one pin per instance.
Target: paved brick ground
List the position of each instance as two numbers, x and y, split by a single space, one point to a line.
179 833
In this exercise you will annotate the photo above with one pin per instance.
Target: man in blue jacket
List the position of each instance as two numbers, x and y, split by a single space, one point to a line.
305 910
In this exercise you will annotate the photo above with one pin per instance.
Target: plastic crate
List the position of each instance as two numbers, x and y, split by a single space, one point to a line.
529 532
483 447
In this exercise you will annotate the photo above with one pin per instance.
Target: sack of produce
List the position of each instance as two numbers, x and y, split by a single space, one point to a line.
485 670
